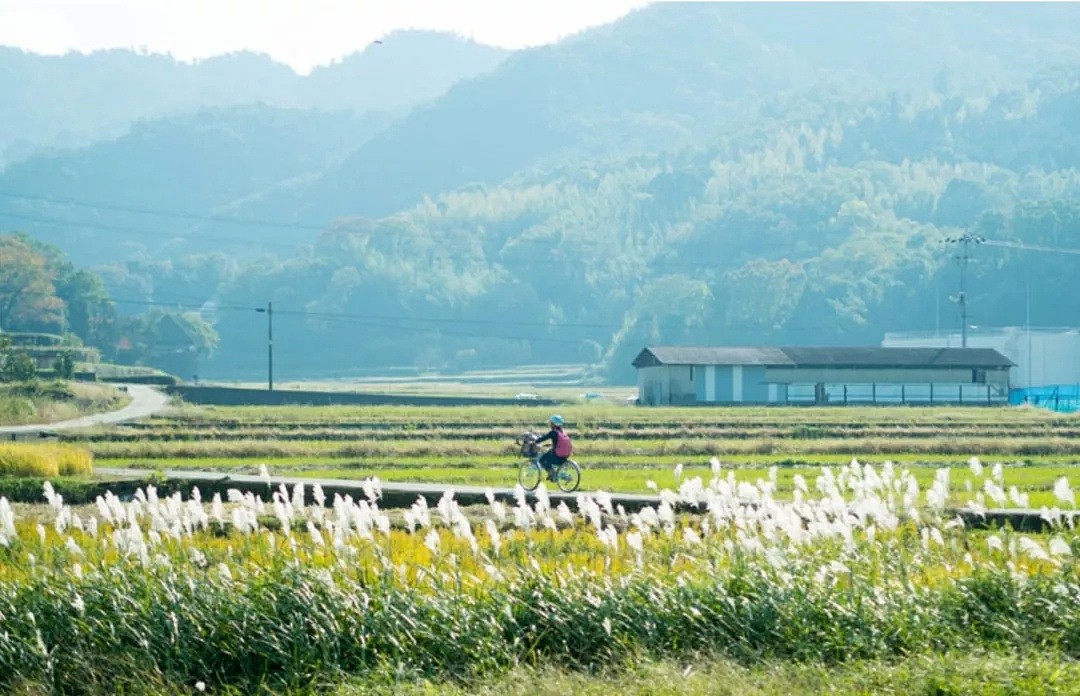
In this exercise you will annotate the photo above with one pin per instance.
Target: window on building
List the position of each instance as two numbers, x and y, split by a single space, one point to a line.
691 373
978 376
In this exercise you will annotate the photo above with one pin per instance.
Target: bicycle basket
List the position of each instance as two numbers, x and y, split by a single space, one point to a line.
528 444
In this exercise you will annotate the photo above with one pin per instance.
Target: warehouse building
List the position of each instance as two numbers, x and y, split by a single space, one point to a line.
1043 356
680 375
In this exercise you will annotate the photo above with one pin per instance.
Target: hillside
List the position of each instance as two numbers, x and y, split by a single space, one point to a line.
827 230
171 184
675 74
76 99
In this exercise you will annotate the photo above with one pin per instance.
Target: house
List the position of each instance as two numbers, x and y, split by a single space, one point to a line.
681 375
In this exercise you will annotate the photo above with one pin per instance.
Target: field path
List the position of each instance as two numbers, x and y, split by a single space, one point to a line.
145 401
355 486
401 494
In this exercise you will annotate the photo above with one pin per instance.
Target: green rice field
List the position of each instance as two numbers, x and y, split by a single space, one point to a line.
621 448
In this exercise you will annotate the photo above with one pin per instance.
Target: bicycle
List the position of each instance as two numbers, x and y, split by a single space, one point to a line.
567 475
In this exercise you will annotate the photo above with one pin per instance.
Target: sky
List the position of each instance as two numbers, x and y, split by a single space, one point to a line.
300 33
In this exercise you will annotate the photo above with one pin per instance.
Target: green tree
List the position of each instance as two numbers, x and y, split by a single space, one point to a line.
28 300
90 314
65 365
17 367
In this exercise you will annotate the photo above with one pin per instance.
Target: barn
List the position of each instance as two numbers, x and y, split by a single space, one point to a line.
685 375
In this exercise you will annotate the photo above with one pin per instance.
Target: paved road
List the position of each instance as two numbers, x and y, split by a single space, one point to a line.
145 401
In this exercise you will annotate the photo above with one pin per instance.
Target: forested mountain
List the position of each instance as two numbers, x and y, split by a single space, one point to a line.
675 74
75 99
738 174
817 231
170 186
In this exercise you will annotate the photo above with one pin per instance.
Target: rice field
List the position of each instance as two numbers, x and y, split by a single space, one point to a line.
620 448
862 570
44 460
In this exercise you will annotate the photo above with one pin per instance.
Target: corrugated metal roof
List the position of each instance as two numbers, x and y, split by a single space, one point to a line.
823 357
691 355
897 357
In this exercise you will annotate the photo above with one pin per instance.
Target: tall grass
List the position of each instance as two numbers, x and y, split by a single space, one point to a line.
863 564
43 460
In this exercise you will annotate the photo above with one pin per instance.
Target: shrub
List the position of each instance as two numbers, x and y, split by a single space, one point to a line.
18 367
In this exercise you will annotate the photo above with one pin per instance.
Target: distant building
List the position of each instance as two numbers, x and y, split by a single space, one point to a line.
1043 356
44 349
680 375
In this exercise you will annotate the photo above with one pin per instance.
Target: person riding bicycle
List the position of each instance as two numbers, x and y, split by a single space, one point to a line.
561 447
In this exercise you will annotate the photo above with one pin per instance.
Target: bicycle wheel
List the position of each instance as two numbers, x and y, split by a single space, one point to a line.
529 474
569 476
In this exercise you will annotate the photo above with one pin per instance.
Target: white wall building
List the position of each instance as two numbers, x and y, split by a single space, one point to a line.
686 375
1042 356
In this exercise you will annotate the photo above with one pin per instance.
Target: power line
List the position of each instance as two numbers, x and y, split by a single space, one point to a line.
363 320
339 315
164 213
965 239
275 224
444 332
162 236
1030 247
197 303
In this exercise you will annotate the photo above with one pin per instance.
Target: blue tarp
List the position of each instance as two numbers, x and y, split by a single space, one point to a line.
1063 398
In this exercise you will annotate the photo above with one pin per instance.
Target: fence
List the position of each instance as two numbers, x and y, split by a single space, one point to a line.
1063 398
892 393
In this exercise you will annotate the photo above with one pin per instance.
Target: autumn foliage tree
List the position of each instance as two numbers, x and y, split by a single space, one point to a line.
41 291
28 299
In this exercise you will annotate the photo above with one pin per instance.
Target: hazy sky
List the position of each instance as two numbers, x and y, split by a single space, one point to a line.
302 33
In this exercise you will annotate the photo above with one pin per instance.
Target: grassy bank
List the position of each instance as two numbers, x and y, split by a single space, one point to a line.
991 673
50 402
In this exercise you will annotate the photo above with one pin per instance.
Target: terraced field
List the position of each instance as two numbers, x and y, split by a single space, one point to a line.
621 448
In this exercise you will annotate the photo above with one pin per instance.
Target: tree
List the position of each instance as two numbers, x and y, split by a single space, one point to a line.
17 367
65 365
90 314
28 300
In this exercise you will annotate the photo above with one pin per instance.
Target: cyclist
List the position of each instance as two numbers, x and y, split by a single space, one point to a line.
561 447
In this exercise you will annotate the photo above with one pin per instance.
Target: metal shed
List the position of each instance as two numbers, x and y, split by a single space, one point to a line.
684 375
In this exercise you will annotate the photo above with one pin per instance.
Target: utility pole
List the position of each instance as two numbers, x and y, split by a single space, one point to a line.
269 310
966 240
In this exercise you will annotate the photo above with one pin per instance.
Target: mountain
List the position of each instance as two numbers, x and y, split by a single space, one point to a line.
76 99
408 68
741 174
823 231
676 74
168 186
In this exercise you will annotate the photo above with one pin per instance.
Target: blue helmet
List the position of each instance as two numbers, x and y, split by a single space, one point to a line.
556 420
